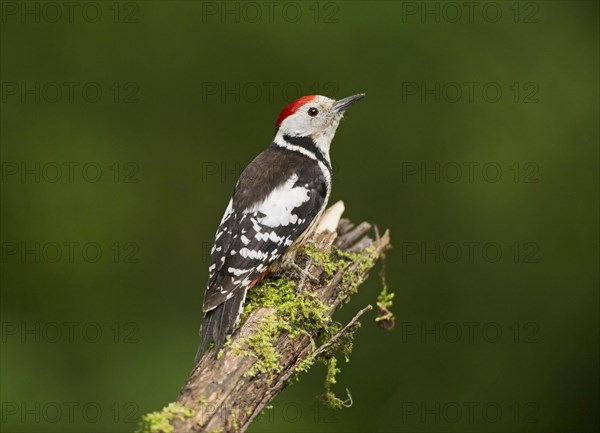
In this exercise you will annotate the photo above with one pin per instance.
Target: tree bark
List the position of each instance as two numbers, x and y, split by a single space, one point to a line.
218 396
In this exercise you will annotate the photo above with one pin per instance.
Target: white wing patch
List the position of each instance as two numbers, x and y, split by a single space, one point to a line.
280 203
248 241
268 236
253 254
238 272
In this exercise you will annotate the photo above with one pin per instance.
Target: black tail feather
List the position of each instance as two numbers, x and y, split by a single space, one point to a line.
219 322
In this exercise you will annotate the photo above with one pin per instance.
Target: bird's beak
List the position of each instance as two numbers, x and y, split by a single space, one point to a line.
342 104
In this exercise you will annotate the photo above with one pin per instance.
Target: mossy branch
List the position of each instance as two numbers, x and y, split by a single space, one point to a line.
286 327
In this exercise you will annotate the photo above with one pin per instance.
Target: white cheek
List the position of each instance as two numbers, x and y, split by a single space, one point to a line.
298 124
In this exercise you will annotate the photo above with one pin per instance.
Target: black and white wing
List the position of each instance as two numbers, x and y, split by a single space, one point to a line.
271 207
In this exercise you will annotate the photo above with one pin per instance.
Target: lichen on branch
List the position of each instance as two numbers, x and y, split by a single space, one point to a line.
160 421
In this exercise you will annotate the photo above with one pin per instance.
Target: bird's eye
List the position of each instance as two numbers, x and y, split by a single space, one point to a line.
312 111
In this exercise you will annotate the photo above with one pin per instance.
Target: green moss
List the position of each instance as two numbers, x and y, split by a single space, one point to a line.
322 259
271 292
329 397
363 262
346 343
259 345
385 299
293 314
234 422
337 260
298 313
384 303
304 365
160 421
385 318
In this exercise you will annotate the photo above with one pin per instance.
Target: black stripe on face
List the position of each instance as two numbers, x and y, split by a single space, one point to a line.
310 145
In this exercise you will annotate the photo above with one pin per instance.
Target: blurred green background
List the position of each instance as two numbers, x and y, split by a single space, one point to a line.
123 129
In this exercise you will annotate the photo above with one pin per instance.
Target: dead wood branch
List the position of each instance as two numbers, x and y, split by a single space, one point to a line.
220 395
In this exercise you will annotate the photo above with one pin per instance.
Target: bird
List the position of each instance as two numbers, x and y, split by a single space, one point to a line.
275 205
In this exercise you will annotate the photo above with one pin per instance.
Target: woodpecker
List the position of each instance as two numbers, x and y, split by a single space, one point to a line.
275 204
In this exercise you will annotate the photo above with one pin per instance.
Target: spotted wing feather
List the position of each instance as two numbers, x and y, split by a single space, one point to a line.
255 233
259 225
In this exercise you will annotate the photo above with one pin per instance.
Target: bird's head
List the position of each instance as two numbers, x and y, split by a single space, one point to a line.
313 116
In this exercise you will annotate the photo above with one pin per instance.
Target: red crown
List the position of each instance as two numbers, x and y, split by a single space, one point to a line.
292 107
